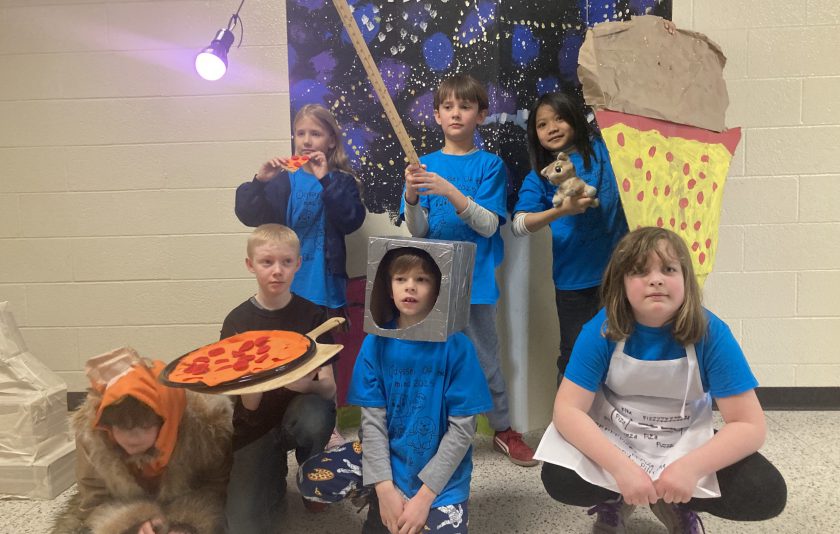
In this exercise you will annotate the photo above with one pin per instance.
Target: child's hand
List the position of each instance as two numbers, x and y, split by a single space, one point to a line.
636 486
318 164
426 183
575 205
416 512
411 192
391 505
152 526
304 384
676 483
670 27
251 401
269 168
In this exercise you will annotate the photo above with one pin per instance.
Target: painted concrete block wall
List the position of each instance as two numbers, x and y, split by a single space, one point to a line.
777 279
118 167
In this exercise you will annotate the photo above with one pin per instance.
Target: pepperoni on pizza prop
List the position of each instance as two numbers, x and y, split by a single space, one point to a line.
295 162
251 359
672 176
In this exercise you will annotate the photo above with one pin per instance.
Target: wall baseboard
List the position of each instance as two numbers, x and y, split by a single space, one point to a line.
772 398
799 398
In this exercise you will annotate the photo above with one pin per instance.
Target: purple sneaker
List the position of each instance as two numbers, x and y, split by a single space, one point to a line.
611 516
679 518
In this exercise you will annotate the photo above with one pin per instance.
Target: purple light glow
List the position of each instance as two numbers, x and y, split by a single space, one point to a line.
210 66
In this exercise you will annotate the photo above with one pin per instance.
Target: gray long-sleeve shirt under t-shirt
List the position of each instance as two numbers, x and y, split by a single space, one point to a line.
376 465
479 218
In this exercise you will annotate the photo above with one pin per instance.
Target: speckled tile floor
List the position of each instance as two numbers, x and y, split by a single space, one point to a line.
510 499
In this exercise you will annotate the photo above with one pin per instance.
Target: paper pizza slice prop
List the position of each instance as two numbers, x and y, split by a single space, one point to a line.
295 162
671 175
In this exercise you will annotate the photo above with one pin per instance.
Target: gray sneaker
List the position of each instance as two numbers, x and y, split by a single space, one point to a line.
678 518
611 516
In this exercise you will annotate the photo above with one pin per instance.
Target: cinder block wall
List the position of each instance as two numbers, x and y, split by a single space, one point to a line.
117 169
118 166
777 277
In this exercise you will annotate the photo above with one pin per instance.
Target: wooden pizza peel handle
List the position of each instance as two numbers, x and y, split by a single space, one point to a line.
326 326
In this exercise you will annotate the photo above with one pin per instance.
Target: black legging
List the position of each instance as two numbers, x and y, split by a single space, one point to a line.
751 490
574 309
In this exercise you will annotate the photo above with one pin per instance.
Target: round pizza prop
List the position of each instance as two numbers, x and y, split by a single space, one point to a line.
257 361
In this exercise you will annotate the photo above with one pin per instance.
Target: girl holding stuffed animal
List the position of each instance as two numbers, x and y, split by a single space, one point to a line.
633 415
562 144
319 200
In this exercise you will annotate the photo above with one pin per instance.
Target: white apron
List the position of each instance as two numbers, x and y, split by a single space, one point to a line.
653 431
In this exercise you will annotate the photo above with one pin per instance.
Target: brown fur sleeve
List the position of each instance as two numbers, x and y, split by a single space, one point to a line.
206 443
123 518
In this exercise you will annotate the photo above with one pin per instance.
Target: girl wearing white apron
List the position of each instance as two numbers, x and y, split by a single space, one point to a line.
632 420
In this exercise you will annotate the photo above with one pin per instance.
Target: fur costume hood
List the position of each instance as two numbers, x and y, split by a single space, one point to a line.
190 490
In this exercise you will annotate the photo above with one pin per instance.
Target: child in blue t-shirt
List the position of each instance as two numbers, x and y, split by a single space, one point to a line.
419 400
633 414
582 235
458 193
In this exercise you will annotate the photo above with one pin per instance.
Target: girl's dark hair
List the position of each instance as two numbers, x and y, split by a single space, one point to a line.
128 413
630 256
571 110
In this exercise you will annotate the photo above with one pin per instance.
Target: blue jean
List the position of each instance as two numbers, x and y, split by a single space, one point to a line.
575 308
481 330
258 477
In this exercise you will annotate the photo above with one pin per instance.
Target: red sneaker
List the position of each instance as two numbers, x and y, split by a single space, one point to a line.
511 445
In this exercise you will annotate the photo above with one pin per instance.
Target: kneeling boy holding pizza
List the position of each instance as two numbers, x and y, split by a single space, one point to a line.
299 416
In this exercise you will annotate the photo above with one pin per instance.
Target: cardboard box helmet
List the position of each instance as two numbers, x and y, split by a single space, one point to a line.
453 261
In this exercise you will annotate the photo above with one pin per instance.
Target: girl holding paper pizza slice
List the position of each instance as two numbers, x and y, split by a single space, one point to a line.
320 201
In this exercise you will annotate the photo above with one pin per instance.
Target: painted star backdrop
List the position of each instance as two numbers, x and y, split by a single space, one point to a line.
519 48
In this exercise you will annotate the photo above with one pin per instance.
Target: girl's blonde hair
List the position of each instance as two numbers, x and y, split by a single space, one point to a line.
337 159
630 256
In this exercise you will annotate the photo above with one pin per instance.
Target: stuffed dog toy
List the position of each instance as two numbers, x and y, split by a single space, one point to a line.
561 173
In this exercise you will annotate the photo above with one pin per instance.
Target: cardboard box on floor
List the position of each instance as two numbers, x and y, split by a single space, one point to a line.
36 447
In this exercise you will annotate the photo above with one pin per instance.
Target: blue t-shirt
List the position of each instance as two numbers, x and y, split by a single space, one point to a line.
581 244
421 384
306 216
724 370
482 176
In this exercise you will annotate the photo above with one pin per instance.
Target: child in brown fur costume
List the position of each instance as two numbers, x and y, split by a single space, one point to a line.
149 459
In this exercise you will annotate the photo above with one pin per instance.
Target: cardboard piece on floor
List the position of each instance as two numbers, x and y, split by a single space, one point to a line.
36 446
